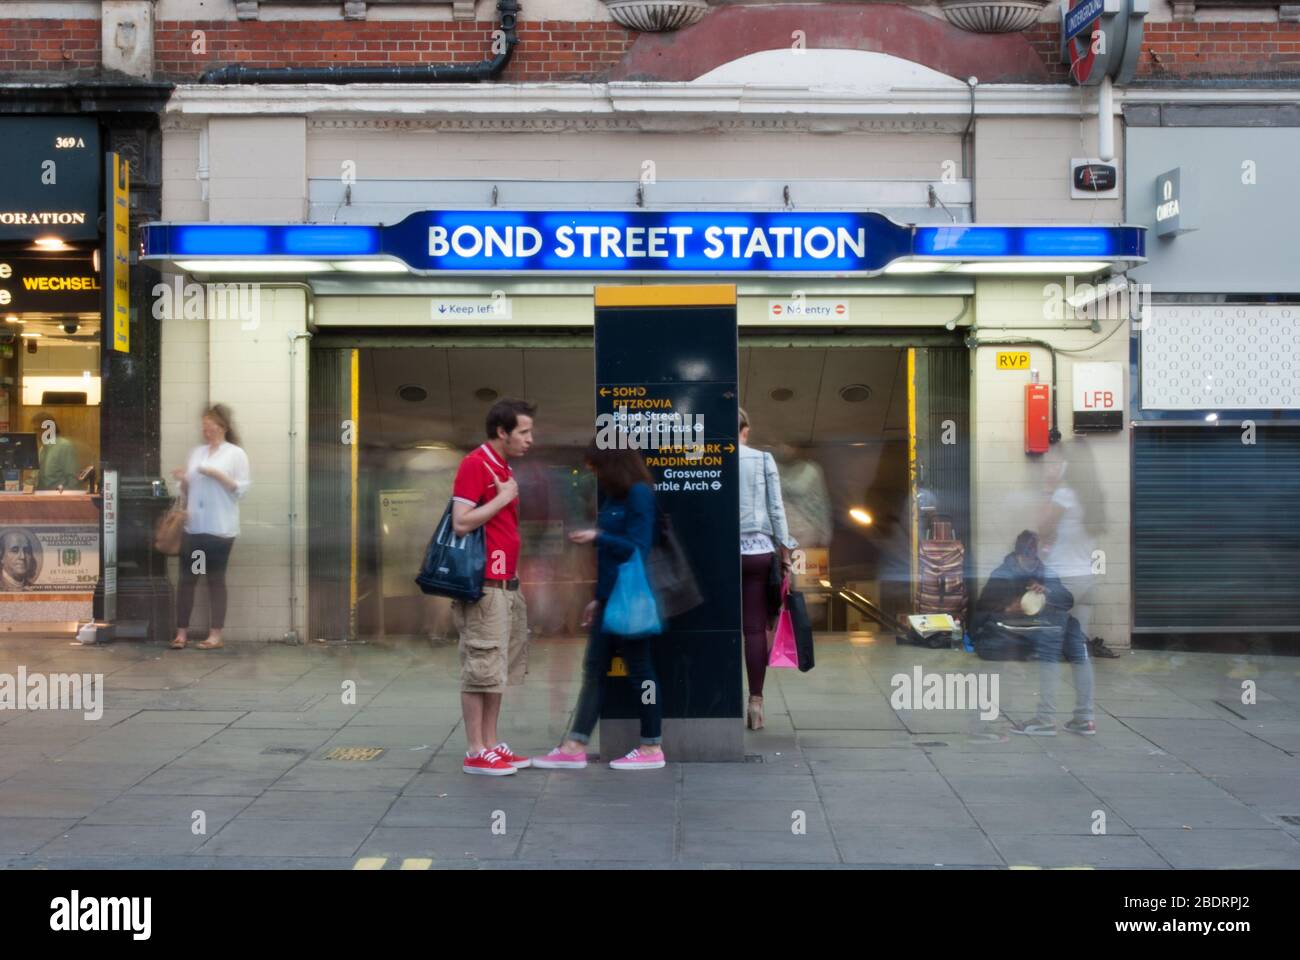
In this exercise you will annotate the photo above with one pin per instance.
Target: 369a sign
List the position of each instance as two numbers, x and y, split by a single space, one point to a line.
49 178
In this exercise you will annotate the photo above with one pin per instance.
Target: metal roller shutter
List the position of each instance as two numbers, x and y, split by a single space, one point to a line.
1216 530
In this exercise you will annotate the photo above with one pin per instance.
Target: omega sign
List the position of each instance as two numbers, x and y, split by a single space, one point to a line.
1170 198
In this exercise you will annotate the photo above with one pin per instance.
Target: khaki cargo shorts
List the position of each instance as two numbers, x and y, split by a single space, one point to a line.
493 641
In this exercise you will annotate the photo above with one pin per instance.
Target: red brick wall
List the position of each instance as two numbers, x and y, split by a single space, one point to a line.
547 50
1178 50
28 46
555 50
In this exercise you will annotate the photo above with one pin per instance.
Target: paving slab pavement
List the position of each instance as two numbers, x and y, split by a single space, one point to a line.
206 760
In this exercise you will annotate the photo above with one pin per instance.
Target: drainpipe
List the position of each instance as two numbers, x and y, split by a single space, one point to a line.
503 42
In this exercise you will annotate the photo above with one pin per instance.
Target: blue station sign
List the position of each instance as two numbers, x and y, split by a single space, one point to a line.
642 242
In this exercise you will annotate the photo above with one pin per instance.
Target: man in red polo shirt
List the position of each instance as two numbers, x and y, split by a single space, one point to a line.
493 631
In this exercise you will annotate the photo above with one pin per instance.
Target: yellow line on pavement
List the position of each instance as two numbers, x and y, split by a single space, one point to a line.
370 863
416 863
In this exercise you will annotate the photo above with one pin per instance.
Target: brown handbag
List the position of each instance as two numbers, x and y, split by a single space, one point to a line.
171 528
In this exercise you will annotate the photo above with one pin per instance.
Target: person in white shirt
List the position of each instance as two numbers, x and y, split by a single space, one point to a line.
764 535
213 482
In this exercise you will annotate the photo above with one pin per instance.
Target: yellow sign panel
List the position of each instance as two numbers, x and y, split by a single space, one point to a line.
1013 360
121 241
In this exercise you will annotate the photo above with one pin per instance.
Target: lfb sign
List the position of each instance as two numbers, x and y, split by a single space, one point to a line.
1102 38
1098 397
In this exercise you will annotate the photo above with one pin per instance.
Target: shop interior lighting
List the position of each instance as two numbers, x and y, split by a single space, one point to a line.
860 516
29 334
51 244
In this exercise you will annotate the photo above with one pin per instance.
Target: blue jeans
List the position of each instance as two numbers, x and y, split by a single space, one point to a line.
640 670
1072 647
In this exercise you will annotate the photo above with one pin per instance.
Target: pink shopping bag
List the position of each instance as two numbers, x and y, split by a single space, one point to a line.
784 653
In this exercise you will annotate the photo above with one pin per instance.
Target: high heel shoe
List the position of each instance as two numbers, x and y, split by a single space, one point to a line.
754 715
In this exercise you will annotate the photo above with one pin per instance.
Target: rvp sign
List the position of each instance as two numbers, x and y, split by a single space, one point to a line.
1098 397
1013 360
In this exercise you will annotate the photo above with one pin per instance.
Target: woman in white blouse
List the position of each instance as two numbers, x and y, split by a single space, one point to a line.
213 482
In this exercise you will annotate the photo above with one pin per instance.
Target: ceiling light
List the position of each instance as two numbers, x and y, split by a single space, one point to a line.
412 393
860 516
1033 267
854 392
268 266
917 266
781 394
51 244
486 394
29 334
369 266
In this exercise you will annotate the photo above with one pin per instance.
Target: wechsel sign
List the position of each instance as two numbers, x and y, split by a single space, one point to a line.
36 284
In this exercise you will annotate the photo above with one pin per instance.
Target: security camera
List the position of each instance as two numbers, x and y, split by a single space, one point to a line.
71 326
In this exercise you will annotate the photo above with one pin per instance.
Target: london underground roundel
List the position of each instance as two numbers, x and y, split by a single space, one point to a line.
1082 27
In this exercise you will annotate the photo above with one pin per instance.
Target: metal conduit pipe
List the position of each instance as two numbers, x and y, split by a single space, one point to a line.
508 13
973 342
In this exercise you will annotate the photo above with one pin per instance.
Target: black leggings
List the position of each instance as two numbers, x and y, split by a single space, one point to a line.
216 555
754 572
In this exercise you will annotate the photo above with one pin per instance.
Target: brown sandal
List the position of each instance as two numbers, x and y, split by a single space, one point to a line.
178 644
209 645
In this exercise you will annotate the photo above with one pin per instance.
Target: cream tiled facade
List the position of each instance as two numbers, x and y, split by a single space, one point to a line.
250 155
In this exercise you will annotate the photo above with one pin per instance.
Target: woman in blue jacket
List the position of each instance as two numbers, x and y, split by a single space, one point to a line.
626 522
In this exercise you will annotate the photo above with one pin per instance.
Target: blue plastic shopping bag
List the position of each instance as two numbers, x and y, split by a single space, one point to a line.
631 610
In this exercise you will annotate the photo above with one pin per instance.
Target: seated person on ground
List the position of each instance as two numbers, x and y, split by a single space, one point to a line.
1002 602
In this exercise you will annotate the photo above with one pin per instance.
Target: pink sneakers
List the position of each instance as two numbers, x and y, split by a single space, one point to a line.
636 760
555 760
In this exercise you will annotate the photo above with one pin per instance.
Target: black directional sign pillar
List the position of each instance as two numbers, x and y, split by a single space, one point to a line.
666 361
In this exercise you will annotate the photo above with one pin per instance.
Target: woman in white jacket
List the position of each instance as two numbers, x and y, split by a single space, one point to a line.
213 482
763 532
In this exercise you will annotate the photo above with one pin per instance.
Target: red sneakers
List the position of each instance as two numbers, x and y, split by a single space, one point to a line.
488 763
505 753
